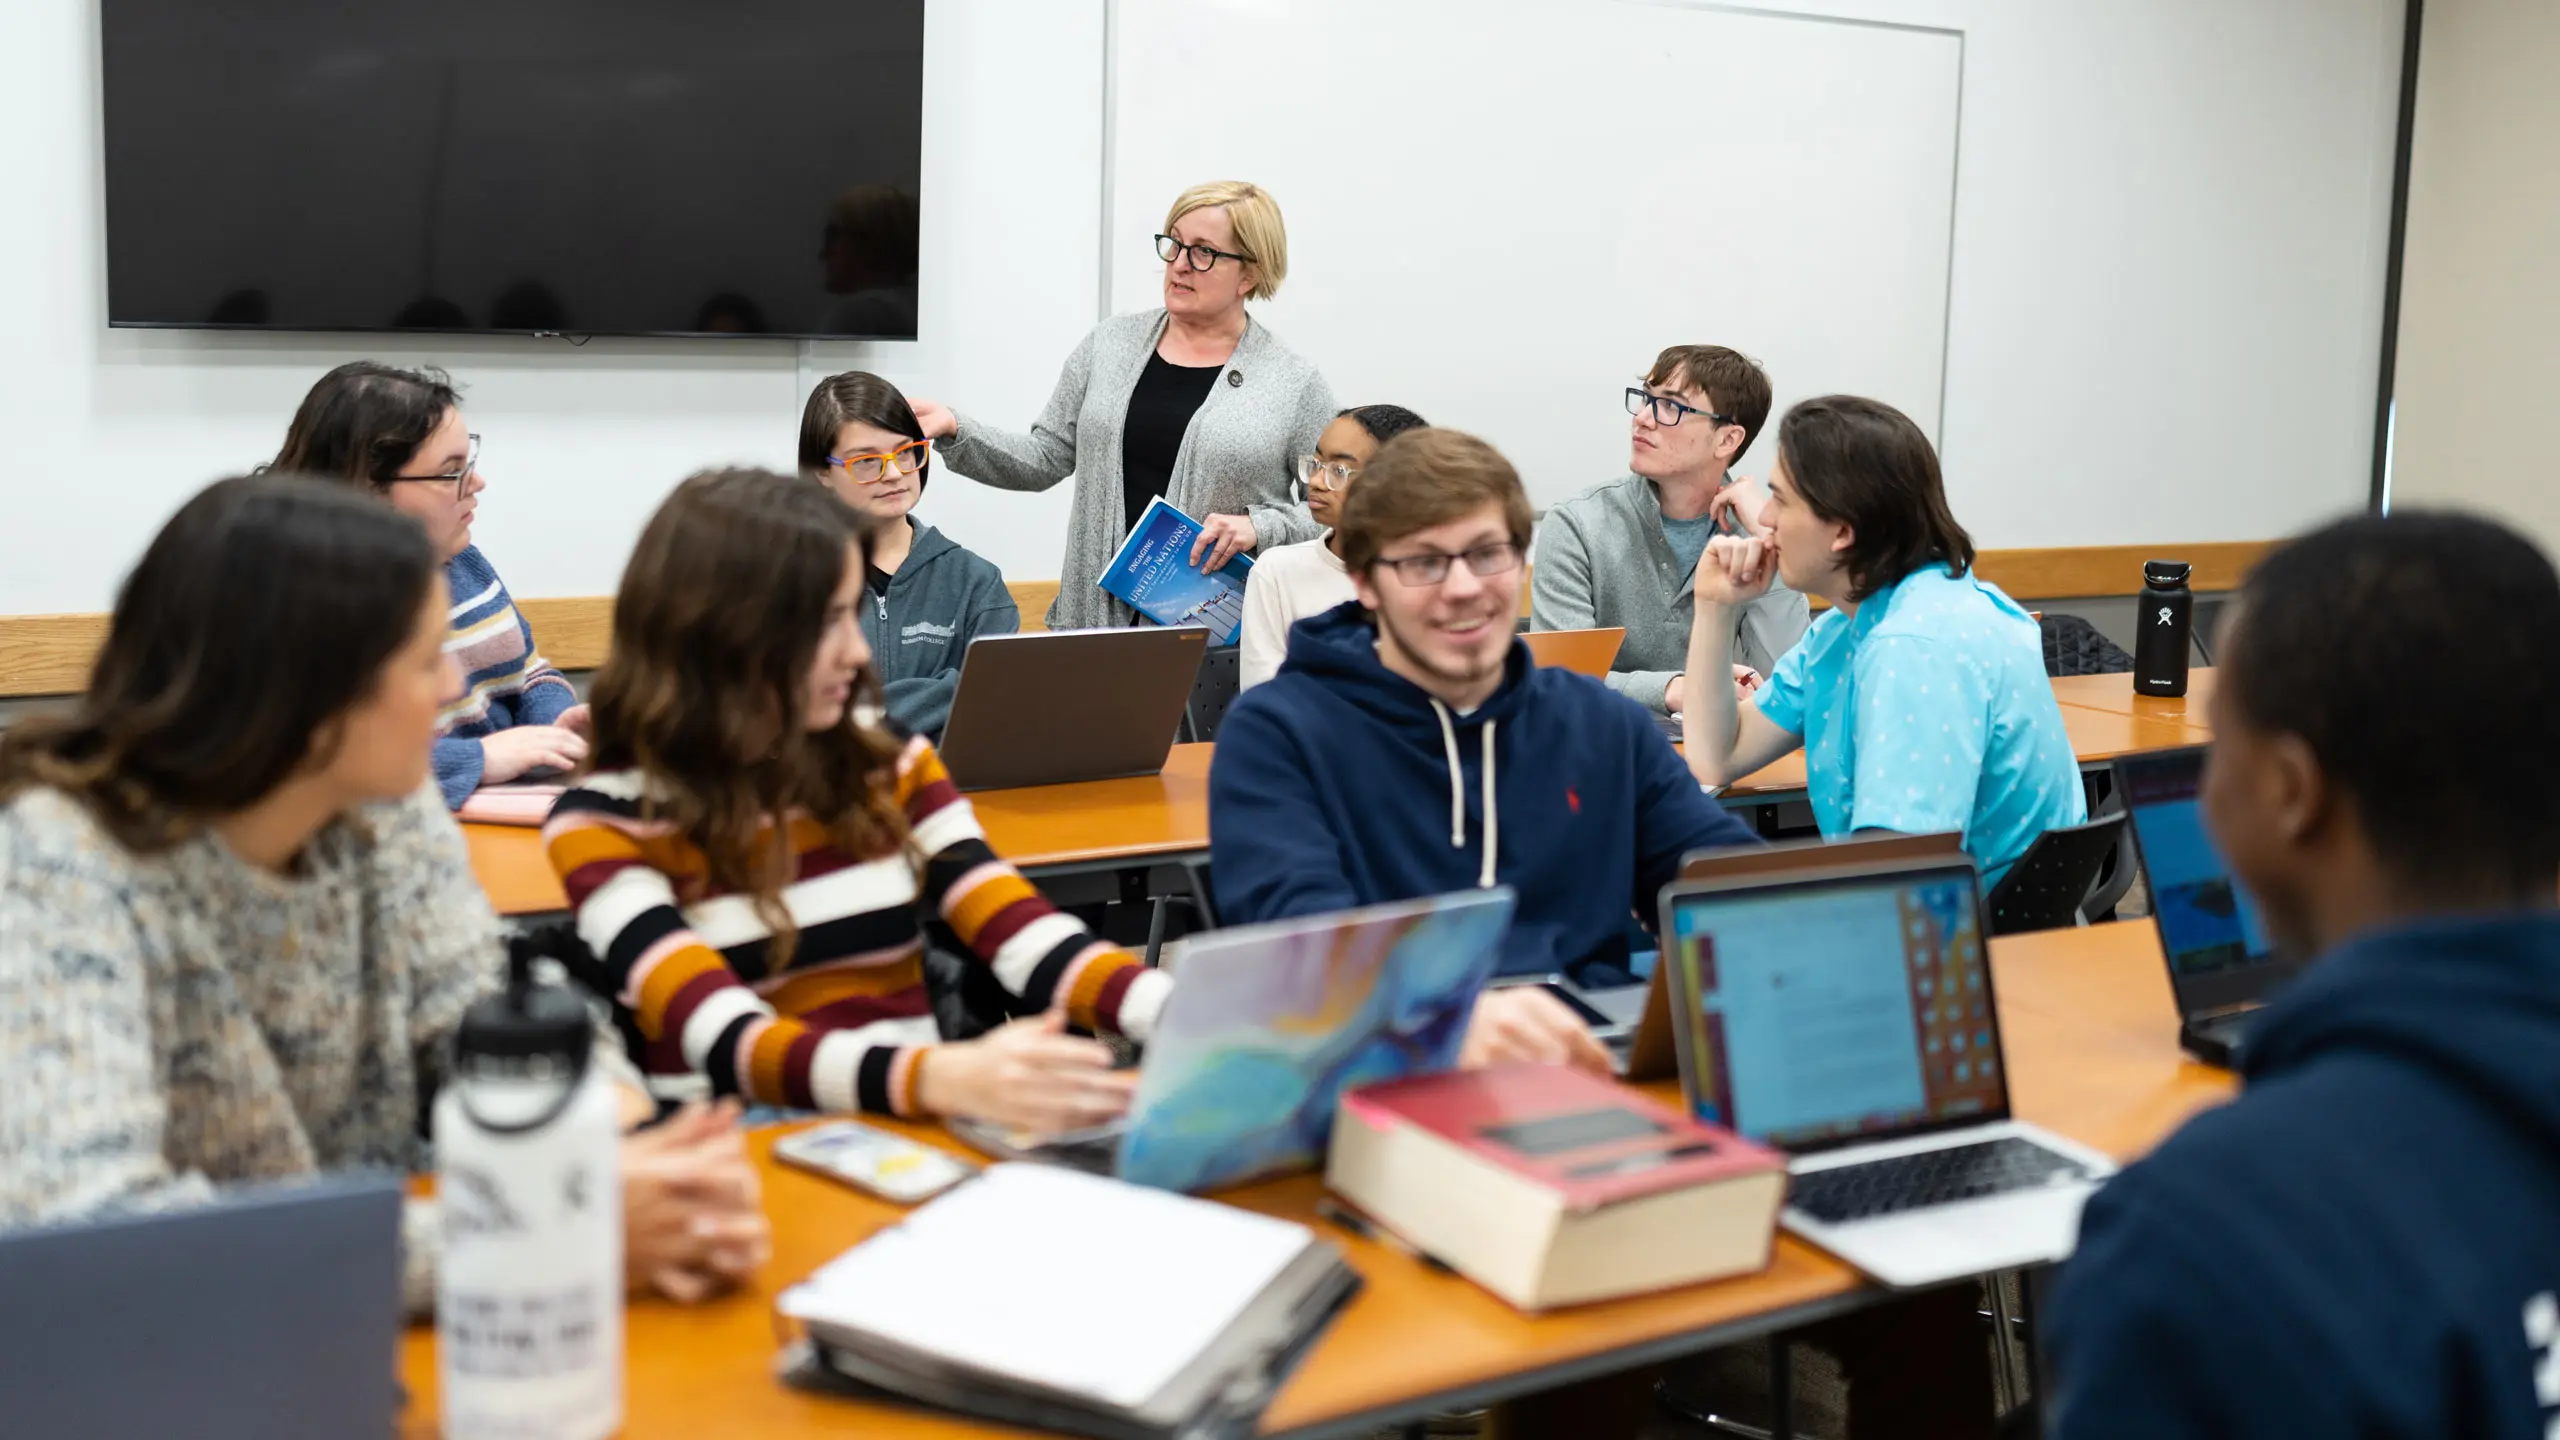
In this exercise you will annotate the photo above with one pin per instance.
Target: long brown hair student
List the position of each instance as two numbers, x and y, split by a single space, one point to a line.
749 819
716 636
223 677
241 931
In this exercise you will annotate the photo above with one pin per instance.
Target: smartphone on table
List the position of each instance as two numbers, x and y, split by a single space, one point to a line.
874 1161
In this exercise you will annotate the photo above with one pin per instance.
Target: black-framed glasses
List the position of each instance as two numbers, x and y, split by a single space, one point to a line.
454 478
907 459
1667 411
1317 473
1432 566
1198 257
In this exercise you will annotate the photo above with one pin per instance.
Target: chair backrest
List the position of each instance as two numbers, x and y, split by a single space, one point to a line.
2073 646
1212 691
2049 884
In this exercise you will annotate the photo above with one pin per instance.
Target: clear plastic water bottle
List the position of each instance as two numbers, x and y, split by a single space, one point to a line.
2161 629
529 1182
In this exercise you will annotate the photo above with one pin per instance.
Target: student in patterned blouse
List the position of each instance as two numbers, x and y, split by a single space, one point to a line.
401 435
1919 699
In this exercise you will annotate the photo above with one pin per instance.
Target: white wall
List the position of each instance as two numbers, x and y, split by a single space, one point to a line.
1813 233
2169 239
2479 350
2172 223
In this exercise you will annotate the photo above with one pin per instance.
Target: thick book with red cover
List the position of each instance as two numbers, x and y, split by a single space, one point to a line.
1551 1187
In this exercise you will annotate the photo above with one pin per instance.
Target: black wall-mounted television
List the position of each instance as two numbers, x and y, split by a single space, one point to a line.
573 167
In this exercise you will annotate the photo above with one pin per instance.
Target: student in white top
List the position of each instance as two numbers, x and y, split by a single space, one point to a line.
1292 582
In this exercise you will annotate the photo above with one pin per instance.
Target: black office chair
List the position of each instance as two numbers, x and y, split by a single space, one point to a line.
1211 693
2073 646
2049 886
2117 874
1199 901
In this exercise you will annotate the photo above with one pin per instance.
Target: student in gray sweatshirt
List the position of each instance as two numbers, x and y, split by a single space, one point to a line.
1623 553
926 597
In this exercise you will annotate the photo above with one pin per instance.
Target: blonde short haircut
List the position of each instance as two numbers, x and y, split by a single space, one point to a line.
1260 236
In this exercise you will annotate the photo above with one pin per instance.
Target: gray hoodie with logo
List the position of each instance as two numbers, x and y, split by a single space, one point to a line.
941 598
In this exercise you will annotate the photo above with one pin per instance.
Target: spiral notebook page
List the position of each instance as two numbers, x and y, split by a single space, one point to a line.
1057 1278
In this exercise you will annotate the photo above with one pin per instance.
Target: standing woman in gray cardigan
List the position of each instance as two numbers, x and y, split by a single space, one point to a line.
1195 402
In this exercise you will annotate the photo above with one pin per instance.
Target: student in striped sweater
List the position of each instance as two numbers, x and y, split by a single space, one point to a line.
400 433
758 865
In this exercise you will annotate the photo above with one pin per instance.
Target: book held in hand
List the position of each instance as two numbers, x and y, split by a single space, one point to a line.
1152 574
1551 1187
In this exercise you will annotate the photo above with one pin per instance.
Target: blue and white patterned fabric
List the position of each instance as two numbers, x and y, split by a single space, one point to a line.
1928 710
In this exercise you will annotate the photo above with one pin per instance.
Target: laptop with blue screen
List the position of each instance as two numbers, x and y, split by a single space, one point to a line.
1845 1015
2222 966
1270 1024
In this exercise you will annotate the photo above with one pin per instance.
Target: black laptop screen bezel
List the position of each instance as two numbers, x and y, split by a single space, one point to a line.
1685 1002
2211 992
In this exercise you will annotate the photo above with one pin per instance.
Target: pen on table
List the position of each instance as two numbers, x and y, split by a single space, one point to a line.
1358 1224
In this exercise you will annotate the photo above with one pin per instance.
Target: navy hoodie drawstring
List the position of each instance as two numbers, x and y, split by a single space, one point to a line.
1458 794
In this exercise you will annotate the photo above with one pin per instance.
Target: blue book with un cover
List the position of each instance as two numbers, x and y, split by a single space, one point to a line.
1153 575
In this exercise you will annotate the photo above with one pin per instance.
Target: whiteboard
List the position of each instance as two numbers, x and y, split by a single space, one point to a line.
1499 211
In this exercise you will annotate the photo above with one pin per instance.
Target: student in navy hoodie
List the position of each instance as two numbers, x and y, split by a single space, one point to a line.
1410 747
2367 1241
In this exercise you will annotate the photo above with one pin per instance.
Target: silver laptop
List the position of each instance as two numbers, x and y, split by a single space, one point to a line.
268 1315
1057 706
1633 1022
1270 1024
1846 1017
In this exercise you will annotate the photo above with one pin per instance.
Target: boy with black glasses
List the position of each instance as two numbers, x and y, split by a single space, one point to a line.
1623 554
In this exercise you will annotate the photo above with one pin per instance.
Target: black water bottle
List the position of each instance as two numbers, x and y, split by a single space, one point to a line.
2160 634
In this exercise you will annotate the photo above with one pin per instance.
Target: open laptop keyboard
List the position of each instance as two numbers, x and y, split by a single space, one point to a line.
1931 1177
1093 1154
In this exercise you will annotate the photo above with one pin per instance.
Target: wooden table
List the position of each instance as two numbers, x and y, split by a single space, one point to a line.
1045 830
2098 735
1052 831
518 877
2114 694
2090 1035
1104 824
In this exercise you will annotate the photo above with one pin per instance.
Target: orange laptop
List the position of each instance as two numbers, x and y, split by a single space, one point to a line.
1584 652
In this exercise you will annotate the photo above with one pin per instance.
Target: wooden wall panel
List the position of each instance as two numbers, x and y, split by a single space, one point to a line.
2114 569
50 654
572 633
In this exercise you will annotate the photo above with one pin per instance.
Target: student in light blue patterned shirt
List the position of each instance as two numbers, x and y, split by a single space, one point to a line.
1920 698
